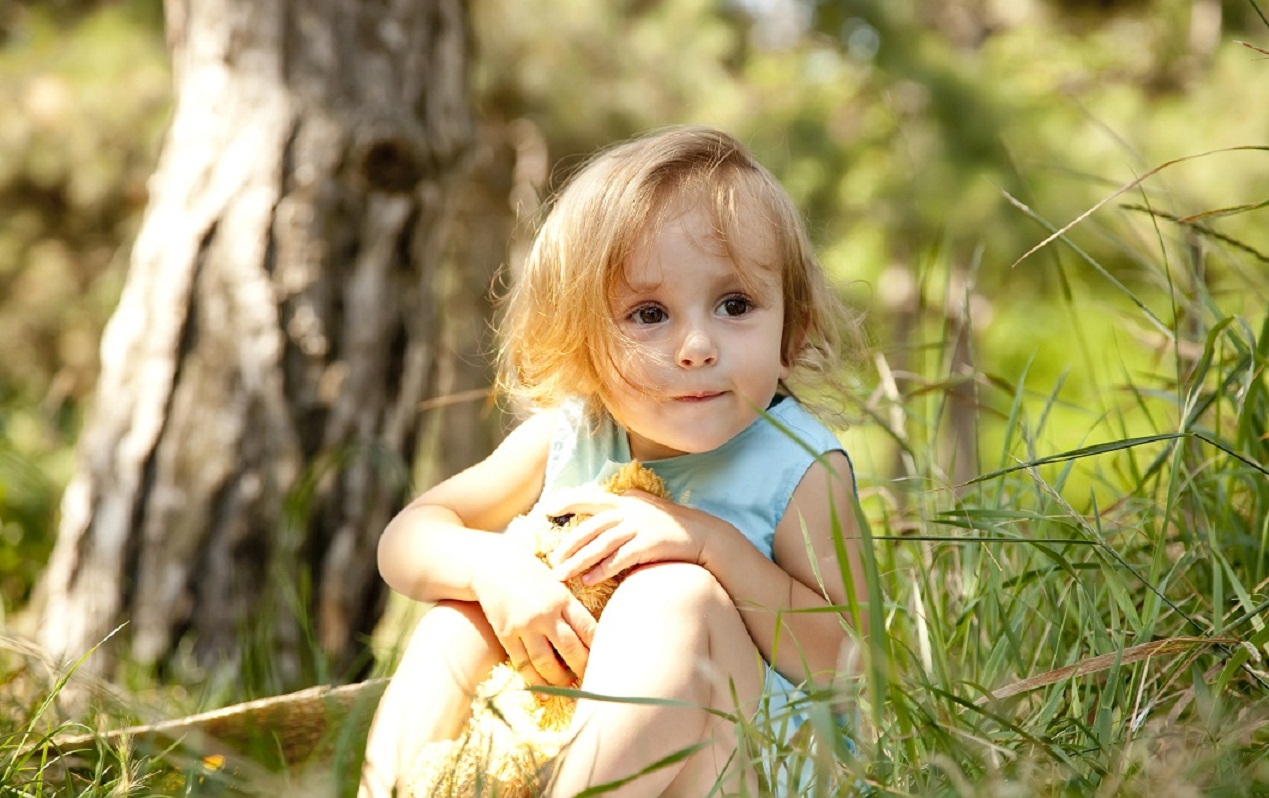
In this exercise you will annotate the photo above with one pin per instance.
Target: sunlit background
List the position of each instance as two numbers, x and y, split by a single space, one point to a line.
1051 216
930 143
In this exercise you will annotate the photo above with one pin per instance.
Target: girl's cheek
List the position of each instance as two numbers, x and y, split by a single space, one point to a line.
634 369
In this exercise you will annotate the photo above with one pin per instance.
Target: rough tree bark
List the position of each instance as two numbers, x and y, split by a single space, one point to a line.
490 238
261 376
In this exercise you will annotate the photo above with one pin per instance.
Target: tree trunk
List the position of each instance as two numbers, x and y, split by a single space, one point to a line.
257 409
489 241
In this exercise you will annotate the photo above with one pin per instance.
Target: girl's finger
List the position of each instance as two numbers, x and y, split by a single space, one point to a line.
593 552
606 568
580 536
582 623
543 666
515 653
568 644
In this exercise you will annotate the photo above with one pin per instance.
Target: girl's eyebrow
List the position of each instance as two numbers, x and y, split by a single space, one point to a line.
626 285
641 290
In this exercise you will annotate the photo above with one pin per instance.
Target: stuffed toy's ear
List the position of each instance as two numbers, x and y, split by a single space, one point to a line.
636 476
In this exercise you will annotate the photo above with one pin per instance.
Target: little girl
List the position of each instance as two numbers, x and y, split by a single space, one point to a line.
669 294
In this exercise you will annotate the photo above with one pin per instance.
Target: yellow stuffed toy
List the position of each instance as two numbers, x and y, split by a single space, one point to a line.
514 733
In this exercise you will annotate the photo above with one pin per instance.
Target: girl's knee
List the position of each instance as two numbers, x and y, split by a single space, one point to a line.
457 616
458 623
455 633
674 587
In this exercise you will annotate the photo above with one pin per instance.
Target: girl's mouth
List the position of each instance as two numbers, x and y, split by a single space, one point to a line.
698 397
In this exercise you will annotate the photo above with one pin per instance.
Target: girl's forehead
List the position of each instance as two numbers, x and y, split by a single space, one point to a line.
686 228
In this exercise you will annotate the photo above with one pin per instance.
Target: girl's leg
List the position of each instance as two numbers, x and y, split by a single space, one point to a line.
429 697
671 632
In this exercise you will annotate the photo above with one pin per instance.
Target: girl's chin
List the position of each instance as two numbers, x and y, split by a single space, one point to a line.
675 446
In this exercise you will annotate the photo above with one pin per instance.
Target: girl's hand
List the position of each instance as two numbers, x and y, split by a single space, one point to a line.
545 630
629 530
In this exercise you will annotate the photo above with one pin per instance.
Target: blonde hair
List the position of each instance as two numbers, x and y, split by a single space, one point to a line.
558 337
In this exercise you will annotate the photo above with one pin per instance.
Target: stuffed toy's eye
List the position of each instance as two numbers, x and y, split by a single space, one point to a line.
560 520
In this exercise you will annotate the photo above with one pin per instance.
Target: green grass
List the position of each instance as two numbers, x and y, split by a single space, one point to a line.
1055 559
1017 615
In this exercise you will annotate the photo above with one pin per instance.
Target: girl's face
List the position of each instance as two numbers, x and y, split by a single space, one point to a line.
705 354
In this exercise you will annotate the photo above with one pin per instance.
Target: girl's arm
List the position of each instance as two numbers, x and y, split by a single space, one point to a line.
804 576
638 528
434 548
805 550
443 545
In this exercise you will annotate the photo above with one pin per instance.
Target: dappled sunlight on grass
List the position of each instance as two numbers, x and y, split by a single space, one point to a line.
1061 456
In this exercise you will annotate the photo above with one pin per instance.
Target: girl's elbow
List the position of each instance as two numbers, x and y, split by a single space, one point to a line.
384 559
389 556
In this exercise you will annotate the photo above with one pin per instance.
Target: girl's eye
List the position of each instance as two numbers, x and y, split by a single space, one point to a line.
648 314
735 306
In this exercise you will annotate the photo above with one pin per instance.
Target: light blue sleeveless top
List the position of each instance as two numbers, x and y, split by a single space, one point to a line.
747 481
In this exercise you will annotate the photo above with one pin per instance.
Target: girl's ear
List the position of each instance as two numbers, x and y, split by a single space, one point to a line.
792 347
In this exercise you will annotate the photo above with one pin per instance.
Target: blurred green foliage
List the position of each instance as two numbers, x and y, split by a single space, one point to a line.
931 143
84 88
899 127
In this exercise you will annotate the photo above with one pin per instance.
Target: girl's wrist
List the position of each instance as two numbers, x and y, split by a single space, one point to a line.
713 536
486 565
496 561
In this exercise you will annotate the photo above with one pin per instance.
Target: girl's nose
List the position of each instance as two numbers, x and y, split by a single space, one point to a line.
697 349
